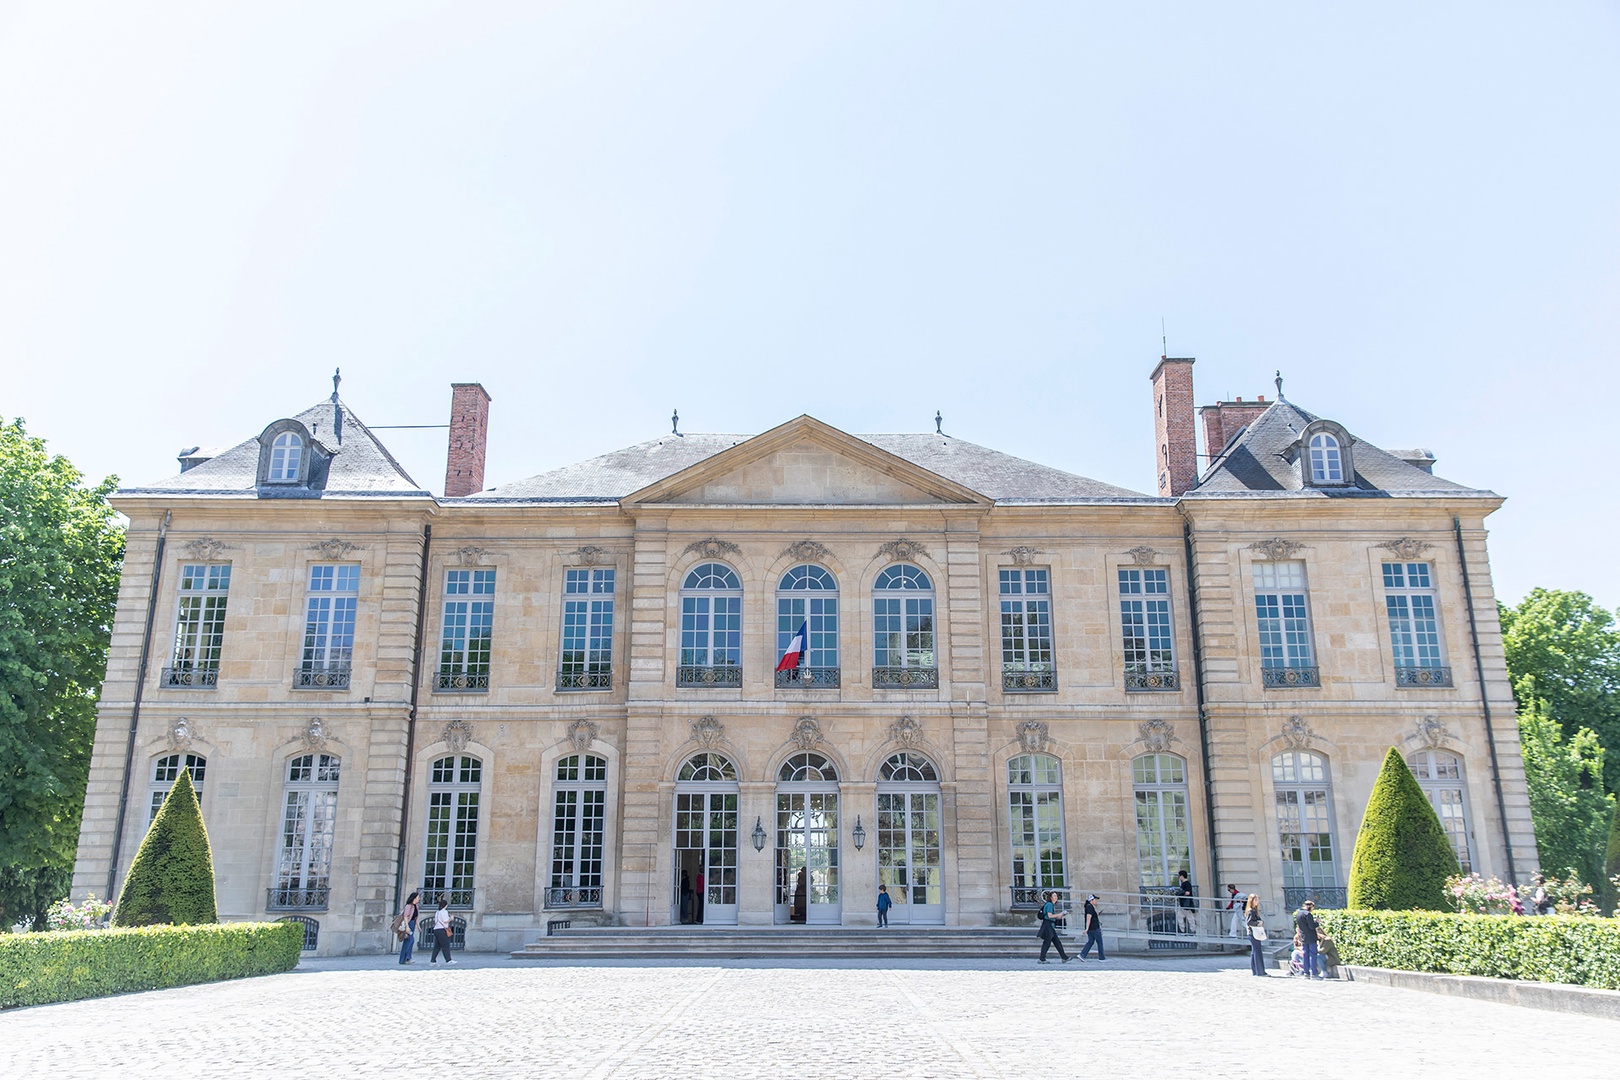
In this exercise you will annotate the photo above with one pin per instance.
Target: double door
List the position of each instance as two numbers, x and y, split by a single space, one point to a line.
908 853
807 886
704 889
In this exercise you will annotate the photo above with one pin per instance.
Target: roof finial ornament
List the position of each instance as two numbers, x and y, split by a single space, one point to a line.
675 422
939 422
1279 386
337 377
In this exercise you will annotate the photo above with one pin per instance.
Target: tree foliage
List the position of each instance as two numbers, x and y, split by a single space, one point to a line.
1402 857
61 548
172 877
1609 887
1570 810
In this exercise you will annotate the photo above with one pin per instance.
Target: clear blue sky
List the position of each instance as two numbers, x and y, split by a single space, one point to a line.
865 212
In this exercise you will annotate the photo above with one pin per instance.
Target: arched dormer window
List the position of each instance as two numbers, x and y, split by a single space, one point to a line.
286 459
903 630
711 627
287 452
1325 455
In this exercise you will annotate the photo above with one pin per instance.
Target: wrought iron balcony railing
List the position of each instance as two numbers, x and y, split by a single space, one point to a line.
1288 678
600 678
188 677
704 675
905 678
296 898
1329 897
460 900
462 682
328 677
807 678
1144 679
1028 680
1031 897
1423 676
574 897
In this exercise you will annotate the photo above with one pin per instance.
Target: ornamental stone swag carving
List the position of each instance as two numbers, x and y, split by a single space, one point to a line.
179 734
581 733
206 548
314 735
1032 736
1142 555
457 734
708 732
1023 555
1432 732
902 550
1406 548
712 548
1277 548
335 548
807 551
590 555
471 556
907 732
1157 735
1297 733
807 733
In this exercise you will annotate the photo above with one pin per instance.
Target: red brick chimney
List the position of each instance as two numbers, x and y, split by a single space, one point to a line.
469 431
1223 419
1176 437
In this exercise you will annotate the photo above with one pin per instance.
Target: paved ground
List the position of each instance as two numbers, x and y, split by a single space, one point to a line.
491 1016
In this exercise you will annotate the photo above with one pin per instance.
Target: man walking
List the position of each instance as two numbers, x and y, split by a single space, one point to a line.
1093 930
1305 923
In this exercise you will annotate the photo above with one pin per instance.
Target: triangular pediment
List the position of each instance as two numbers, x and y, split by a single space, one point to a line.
805 462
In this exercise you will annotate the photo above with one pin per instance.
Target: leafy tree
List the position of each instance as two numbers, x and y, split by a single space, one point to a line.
1402 857
1570 647
172 877
60 552
1567 802
1610 890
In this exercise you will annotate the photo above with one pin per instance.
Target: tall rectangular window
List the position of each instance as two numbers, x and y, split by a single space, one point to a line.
1145 628
329 626
308 824
199 626
1414 628
451 854
1026 631
469 620
1286 655
587 637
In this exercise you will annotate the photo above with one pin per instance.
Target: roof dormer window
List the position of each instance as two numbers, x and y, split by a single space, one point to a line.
286 459
1327 461
1324 454
291 462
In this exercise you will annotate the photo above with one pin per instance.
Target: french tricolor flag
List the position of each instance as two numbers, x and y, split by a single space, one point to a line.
795 649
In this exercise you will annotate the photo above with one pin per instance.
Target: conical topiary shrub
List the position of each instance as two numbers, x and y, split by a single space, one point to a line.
172 878
1402 856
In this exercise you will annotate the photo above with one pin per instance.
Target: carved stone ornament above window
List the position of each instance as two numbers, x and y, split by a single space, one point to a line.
314 735
1142 555
902 550
708 732
1157 735
807 551
1297 733
589 555
457 734
582 733
1406 548
179 734
712 548
1023 556
906 731
1032 737
807 733
470 556
1277 548
334 549
206 548
1432 732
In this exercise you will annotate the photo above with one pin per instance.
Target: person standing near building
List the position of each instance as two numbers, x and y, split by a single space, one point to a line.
699 897
884 903
1185 901
1050 917
1257 936
405 927
1093 930
1234 908
1305 923
441 932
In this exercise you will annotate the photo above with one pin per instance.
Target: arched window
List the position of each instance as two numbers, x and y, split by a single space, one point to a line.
166 770
807 599
903 629
708 768
802 768
579 811
286 459
705 855
1163 838
1327 462
1035 800
711 627
1440 775
1305 828
454 785
908 838
308 822
807 840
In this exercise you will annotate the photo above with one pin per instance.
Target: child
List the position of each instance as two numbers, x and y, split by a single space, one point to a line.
1296 959
884 903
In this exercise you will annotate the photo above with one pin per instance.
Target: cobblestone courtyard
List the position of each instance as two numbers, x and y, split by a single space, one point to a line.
490 1016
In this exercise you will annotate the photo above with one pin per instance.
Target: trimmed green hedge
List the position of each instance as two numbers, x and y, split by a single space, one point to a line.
1573 949
68 965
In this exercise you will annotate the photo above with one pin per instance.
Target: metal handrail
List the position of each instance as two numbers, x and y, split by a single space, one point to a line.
1158 914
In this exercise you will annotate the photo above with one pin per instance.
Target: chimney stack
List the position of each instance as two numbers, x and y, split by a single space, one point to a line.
1224 419
1176 437
469 433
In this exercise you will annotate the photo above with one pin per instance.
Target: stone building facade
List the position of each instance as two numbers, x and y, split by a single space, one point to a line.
563 695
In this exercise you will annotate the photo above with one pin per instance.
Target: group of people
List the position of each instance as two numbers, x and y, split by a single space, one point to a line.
1314 955
404 927
1052 920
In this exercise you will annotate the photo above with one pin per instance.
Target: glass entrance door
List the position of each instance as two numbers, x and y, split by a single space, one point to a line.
705 863
908 852
807 857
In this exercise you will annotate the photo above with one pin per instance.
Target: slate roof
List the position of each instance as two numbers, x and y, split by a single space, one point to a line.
995 475
1261 461
361 466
